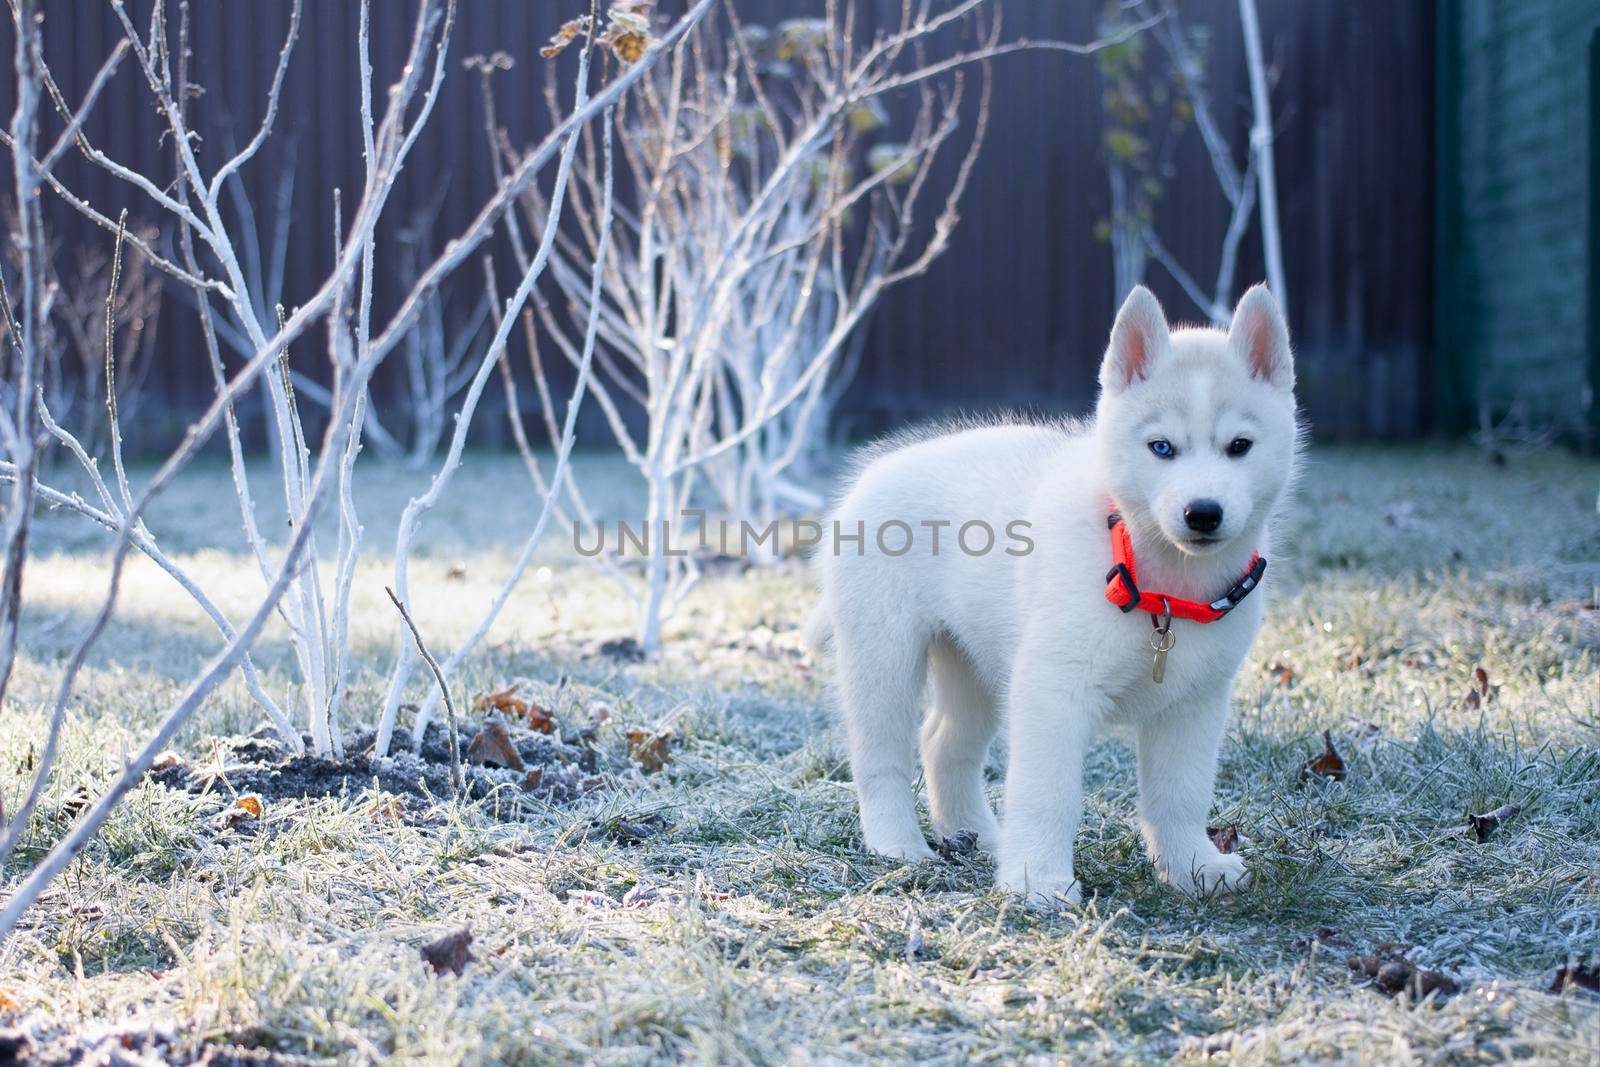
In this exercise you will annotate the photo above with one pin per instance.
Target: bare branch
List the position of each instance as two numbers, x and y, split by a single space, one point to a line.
265 129
72 134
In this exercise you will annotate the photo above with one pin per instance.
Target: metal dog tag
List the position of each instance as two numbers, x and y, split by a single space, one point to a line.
1161 641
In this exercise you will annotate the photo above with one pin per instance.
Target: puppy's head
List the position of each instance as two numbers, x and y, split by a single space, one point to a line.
1197 426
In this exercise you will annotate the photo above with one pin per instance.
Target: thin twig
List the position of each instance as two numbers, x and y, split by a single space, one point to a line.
112 415
72 133
444 688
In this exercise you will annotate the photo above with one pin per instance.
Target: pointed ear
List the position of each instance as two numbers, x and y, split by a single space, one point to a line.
1138 340
1261 338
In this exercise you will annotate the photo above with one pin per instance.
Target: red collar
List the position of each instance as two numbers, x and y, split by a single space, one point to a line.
1122 587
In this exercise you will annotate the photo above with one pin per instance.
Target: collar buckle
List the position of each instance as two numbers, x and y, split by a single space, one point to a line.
1120 570
1241 589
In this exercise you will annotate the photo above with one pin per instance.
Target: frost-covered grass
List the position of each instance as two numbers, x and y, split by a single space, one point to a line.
774 938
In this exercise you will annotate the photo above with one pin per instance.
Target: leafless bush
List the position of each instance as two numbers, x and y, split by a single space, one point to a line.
308 589
72 339
1513 434
770 202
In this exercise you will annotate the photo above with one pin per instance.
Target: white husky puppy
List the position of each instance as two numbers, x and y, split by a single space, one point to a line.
1194 442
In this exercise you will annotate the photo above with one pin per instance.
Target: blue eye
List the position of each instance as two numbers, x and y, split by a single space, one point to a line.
1163 448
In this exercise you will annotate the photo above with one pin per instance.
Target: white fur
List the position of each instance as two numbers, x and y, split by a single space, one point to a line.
1030 640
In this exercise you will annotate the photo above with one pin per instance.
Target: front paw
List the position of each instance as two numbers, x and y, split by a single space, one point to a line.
1204 872
1043 893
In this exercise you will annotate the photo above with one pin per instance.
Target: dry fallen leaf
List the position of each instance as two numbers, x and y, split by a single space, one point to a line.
391 808
540 718
166 760
960 843
74 805
649 750
1486 824
10 1006
1226 838
1581 976
492 747
1281 674
642 896
634 830
1327 765
624 832
584 738
485 701
1416 982
245 808
504 701
531 780
1481 692
507 703
1390 971
451 952
1326 935
76 802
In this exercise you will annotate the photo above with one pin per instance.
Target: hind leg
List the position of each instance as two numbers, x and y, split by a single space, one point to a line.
882 674
955 743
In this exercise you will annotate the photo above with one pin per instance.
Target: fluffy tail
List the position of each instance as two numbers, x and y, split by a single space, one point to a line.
819 629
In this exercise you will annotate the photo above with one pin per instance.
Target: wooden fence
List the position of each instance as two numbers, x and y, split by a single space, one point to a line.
1015 314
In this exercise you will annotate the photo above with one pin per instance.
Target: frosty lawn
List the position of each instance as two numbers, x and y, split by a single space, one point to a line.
755 928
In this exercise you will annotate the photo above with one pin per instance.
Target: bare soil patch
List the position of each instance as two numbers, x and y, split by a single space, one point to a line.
39 1045
553 768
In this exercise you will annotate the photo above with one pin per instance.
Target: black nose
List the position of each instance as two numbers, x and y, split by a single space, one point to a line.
1203 516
